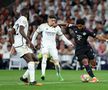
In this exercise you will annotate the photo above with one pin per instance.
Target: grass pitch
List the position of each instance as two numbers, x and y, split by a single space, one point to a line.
9 80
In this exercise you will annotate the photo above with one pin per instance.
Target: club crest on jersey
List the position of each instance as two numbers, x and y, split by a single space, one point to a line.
84 33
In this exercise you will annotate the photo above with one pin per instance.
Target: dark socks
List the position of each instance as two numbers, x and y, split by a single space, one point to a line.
89 70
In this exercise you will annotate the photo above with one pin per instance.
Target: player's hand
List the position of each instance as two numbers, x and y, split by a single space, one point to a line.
30 44
71 45
101 37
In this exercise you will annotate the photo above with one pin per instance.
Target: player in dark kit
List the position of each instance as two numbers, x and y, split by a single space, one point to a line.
83 50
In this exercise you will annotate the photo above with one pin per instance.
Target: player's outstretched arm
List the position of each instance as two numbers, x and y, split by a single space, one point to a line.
102 37
21 30
34 38
67 42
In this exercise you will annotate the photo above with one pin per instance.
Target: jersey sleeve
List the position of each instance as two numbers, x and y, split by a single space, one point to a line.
73 27
40 28
59 31
16 26
92 34
22 21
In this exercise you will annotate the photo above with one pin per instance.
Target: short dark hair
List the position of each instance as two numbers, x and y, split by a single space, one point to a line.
24 11
52 16
80 21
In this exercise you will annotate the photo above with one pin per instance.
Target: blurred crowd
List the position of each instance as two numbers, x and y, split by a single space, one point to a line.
94 12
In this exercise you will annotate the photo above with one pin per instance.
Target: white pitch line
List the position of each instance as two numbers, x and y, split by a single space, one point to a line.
46 83
70 82
10 84
58 82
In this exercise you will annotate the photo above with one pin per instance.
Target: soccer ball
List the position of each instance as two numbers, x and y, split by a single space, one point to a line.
85 78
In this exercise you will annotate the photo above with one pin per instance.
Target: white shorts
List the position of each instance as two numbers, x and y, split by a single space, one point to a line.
23 50
52 51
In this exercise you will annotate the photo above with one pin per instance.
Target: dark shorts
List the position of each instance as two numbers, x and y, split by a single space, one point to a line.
86 52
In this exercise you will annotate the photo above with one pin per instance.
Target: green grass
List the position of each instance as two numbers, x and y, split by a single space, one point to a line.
9 80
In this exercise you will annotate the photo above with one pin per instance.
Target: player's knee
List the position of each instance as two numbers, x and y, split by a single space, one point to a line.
45 56
43 61
56 62
85 61
93 63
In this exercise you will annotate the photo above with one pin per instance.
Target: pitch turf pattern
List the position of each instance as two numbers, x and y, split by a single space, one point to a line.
9 80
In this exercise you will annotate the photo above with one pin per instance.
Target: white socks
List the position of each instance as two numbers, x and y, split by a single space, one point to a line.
43 65
31 70
57 67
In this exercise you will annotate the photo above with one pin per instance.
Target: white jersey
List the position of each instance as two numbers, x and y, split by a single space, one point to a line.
18 38
49 34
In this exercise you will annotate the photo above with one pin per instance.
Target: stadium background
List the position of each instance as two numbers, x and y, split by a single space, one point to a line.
94 12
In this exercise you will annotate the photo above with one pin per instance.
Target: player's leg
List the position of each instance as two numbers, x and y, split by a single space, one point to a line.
26 53
35 60
44 62
89 70
58 69
31 66
87 67
21 51
83 57
43 66
25 76
92 63
54 54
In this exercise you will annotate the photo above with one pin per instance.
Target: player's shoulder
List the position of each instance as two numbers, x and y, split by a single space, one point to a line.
43 25
72 26
58 27
22 18
88 30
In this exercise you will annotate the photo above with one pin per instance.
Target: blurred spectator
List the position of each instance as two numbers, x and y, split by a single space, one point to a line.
43 15
1 31
102 49
65 55
103 53
99 27
6 57
1 56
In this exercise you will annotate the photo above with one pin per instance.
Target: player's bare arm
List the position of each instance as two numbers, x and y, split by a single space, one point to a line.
21 30
34 38
102 37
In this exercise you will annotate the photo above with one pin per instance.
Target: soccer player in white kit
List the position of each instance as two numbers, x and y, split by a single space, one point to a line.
48 43
21 42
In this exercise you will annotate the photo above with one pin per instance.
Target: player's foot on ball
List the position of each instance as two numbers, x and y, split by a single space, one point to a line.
25 80
94 80
35 83
43 78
